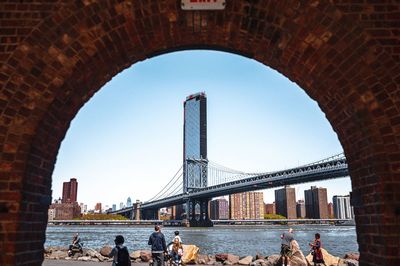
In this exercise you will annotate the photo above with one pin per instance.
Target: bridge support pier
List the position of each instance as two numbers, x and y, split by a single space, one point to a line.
150 214
198 214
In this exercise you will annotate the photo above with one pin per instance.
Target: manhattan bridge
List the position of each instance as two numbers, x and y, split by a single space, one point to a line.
199 180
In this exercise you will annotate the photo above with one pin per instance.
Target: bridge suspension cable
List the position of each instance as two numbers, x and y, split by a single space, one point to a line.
169 185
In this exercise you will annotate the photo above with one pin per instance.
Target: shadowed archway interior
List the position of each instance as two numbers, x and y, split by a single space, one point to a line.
56 54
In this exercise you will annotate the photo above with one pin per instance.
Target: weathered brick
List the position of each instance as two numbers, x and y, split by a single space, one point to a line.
344 54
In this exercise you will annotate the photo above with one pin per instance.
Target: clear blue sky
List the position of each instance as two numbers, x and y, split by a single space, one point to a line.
127 140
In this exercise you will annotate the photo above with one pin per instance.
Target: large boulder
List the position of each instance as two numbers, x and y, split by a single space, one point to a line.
328 258
234 259
85 258
260 256
259 262
352 256
58 254
135 254
189 254
105 251
297 258
202 259
246 260
272 260
145 255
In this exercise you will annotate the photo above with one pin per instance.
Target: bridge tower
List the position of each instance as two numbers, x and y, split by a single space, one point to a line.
195 157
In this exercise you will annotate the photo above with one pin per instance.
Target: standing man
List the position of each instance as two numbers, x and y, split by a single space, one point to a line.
286 248
158 246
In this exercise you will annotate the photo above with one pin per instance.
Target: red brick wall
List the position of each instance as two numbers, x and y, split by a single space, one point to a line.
54 55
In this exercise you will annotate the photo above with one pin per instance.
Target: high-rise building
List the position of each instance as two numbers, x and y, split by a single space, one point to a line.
219 209
129 202
316 200
97 208
121 205
246 205
342 208
70 191
285 202
301 209
269 208
330 210
195 142
114 207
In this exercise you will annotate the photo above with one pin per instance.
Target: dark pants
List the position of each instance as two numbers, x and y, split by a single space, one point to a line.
158 259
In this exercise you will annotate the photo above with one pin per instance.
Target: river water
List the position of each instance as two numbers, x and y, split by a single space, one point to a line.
240 240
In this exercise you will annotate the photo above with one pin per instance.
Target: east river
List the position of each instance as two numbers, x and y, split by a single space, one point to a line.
240 240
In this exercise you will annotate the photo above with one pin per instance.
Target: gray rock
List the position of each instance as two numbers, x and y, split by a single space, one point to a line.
246 260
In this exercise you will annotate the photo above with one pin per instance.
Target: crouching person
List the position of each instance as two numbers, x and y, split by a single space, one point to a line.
120 253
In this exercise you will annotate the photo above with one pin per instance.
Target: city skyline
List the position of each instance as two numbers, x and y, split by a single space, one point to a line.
106 142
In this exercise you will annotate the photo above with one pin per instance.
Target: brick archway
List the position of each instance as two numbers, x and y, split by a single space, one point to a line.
54 56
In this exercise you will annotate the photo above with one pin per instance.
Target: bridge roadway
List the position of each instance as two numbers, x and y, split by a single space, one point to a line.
322 170
215 222
309 173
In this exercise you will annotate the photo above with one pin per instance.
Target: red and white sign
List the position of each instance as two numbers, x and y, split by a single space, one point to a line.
203 4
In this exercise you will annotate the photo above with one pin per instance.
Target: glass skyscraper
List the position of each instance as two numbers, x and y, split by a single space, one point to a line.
195 142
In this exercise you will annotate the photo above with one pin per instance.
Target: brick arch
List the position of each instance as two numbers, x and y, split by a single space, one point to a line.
345 56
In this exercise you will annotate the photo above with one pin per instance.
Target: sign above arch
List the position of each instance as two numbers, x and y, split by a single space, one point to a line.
203 4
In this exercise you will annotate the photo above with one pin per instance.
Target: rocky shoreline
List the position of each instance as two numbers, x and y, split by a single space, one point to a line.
192 257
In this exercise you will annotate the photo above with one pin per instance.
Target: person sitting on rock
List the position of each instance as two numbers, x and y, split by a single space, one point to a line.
316 250
177 252
120 253
286 251
76 244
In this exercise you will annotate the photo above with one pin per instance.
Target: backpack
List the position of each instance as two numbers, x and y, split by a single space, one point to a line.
123 257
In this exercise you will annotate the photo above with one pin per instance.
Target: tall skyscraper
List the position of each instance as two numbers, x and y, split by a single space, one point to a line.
342 208
246 205
316 200
285 202
114 207
219 209
129 202
300 209
195 141
70 191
